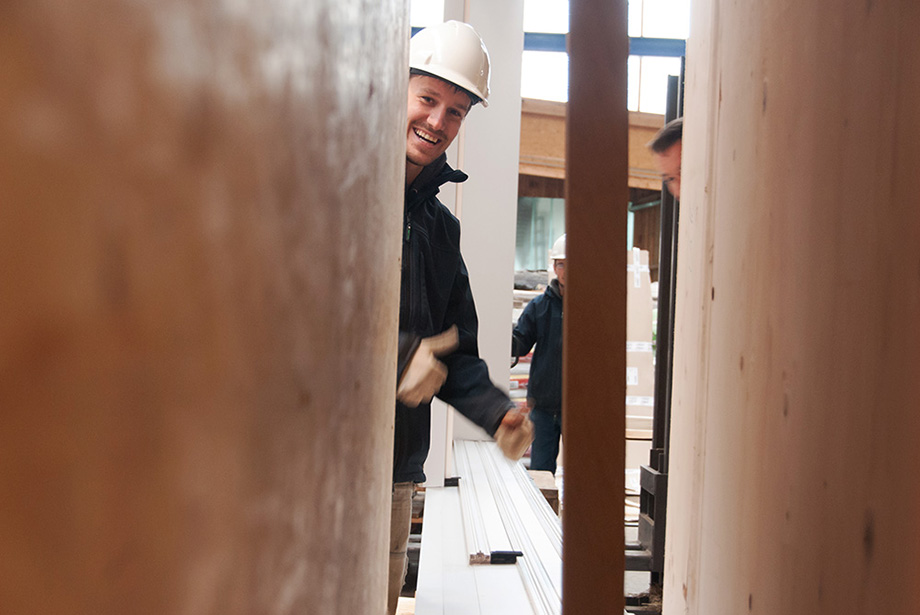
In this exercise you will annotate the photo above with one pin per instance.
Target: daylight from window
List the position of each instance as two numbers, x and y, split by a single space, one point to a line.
545 74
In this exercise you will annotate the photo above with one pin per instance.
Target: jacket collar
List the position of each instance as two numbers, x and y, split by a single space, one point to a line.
430 180
553 289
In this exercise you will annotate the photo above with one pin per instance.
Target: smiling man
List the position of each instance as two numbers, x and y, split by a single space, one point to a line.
436 111
438 326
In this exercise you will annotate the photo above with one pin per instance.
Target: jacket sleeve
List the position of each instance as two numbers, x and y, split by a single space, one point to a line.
468 387
524 335
408 344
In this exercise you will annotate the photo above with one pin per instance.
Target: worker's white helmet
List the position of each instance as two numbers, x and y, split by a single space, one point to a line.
558 252
454 52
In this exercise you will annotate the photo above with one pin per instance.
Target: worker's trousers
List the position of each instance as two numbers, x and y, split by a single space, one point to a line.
400 525
547 429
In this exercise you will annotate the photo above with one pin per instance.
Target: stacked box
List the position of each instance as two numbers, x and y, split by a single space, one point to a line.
640 365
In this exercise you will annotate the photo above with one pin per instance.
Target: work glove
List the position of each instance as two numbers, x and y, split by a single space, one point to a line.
514 434
424 374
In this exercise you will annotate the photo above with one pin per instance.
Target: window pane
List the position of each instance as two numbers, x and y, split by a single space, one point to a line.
424 13
634 18
666 18
540 221
632 83
546 16
653 86
545 75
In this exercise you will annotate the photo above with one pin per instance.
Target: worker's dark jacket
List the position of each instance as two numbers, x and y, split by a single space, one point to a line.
435 295
541 323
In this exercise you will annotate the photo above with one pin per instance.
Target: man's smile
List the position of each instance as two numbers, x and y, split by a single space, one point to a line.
426 136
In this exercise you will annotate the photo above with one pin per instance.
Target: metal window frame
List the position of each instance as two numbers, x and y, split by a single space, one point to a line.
638 45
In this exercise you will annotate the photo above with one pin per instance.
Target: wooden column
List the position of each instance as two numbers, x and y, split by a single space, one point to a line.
795 417
594 373
199 239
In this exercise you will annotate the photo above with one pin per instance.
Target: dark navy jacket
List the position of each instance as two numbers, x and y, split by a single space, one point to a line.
435 294
541 323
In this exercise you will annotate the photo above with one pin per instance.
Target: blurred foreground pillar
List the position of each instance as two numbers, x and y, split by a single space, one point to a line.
199 240
795 412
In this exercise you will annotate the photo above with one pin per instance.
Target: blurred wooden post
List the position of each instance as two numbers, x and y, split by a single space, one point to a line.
795 403
200 211
594 388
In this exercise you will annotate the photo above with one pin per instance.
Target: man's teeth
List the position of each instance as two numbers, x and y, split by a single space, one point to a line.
426 136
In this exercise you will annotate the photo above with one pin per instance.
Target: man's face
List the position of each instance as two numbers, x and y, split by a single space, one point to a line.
559 270
436 111
668 162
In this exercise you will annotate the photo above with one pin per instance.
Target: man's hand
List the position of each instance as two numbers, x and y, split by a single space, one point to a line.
514 434
424 374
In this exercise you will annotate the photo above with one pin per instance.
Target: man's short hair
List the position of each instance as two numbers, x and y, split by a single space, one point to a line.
473 98
671 133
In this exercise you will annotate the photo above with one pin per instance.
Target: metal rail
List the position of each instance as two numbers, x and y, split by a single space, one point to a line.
638 45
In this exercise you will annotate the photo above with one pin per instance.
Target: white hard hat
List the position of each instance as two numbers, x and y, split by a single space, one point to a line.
558 252
454 52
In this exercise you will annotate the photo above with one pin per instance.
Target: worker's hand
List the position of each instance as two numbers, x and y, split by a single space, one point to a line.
424 374
514 434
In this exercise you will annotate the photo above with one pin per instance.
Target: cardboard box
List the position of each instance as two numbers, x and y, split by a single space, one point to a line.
637 452
640 358
640 379
638 297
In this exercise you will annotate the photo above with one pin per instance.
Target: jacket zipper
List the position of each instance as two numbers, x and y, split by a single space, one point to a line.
410 270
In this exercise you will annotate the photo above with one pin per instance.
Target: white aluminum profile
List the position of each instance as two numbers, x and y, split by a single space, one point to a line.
473 528
503 505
